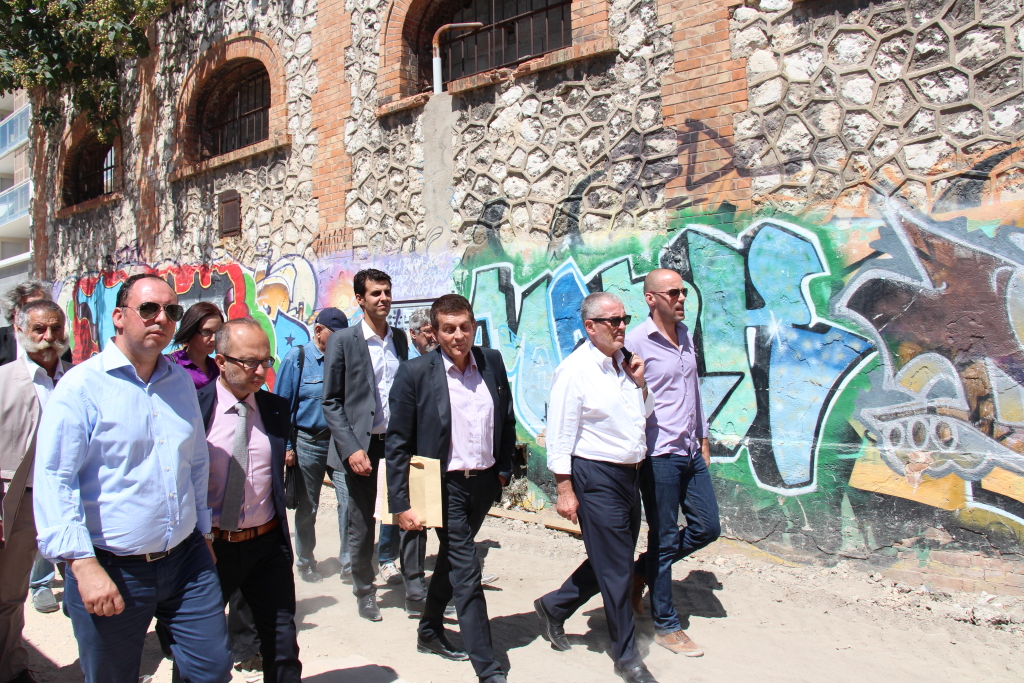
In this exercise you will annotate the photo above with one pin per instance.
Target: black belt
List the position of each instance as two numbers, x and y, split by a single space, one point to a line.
145 557
377 437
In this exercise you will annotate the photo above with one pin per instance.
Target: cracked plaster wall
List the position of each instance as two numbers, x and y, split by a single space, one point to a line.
897 97
279 213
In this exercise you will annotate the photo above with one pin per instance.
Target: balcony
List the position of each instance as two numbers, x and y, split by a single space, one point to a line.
14 206
14 130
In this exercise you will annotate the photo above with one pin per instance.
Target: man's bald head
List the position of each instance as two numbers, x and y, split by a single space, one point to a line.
660 279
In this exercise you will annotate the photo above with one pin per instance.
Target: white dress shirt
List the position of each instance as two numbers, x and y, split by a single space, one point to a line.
472 412
40 380
384 359
595 412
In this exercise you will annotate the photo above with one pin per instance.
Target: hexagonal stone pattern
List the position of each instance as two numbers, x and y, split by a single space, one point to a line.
896 95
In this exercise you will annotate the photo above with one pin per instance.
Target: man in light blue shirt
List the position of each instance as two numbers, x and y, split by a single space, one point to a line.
121 479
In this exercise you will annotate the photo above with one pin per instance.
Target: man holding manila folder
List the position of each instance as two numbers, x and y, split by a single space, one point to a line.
453 404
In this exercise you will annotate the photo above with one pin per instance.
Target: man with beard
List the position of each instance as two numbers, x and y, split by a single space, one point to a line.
16 297
247 429
121 478
26 385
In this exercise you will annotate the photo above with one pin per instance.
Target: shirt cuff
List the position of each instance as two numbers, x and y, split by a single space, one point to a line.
560 464
204 520
68 542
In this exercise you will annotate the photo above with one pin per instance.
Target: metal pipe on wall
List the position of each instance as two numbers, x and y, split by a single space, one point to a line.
437 48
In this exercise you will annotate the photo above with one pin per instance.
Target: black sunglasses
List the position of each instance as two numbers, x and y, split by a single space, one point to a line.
614 321
249 363
149 310
674 293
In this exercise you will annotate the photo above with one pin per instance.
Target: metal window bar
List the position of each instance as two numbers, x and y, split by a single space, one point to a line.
515 32
245 119
97 174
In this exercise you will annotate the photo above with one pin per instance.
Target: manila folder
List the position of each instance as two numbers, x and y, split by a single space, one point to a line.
424 492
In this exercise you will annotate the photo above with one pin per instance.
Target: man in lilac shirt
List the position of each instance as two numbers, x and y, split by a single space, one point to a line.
676 470
246 432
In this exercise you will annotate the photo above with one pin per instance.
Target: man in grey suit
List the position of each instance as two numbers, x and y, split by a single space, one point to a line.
25 385
360 363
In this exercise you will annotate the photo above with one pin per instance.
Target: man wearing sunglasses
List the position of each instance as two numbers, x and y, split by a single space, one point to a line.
120 487
247 430
596 443
679 454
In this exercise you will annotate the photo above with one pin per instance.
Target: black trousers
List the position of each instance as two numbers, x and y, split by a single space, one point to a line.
609 515
261 568
362 527
466 501
414 554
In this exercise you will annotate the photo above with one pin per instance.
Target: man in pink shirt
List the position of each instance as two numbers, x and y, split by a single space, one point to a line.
246 432
454 404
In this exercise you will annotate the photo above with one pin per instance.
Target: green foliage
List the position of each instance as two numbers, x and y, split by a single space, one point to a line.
77 45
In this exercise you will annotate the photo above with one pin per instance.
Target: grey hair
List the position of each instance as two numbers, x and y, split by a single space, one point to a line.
222 339
419 318
40 305
588 309
11 301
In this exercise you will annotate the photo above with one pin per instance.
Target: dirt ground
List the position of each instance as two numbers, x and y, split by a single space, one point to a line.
757 620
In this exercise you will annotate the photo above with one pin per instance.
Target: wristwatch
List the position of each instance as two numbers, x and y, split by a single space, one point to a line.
209 536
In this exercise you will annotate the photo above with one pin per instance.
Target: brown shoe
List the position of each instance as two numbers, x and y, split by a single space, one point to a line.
679 643
638 593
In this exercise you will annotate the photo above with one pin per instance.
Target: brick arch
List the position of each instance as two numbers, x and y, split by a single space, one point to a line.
78 133
399 71
245 45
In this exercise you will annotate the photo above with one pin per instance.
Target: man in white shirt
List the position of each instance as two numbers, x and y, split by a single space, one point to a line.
596 441
25 385
360 363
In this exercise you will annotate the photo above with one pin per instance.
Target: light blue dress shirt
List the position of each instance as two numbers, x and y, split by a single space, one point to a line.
121 464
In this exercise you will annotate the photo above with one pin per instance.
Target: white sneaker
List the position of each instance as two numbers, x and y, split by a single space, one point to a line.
389 573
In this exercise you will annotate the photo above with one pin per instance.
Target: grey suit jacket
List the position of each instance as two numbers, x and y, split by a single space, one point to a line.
349 398
19 418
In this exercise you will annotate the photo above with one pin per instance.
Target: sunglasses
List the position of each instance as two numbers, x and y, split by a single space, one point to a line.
149 310
251 364
614 321
674 293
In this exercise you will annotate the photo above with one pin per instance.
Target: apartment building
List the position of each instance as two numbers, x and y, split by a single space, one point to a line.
15 189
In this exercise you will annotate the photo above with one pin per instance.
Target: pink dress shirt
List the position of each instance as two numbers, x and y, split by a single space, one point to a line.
472 409
258 508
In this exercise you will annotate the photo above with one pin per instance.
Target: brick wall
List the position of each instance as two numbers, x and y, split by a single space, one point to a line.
699 98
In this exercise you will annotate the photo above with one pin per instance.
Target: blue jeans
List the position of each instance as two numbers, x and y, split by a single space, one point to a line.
312 457
42 574
181 590
666 483
387 544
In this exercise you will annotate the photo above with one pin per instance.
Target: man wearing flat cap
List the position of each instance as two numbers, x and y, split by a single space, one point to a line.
300 380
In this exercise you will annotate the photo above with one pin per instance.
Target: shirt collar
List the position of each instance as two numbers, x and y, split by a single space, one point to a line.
226 401
313 349
449 363
114 358
650 329
35 368
369 334
601 359
181 358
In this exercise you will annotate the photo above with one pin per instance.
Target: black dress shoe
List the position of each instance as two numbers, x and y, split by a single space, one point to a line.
440 646
553 631
636 674
25 676
414 608
368 607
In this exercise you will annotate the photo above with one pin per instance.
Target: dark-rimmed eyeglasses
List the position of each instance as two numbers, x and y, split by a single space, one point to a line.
148 310
251 364
674 293
614 321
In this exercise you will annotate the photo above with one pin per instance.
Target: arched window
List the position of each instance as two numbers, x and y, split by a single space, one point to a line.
90 171
234 108
513 32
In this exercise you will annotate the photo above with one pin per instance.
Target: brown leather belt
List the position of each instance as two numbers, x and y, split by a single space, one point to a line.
245 534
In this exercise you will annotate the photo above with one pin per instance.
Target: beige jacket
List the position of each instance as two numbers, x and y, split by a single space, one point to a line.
19 418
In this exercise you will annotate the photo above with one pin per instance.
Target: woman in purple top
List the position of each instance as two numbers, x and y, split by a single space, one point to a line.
195 336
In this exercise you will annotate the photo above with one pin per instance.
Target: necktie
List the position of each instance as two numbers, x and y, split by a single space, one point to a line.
238 467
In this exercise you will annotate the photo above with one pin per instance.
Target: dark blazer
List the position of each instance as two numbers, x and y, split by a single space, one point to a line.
350 390
275 413
8 345
421 419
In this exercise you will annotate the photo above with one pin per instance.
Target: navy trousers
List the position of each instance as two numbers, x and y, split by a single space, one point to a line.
609 515
666 483
181 590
